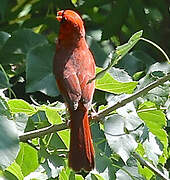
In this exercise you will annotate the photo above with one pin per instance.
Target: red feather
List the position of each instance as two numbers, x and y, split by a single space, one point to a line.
74 66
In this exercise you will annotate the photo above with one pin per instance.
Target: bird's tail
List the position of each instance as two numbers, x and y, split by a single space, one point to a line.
81 154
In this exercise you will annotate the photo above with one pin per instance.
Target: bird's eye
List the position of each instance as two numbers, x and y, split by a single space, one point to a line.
63 20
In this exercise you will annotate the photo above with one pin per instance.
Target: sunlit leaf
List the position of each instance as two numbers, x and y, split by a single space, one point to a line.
21 122
127 173
152 149
53 116
109 84
125 48
155 121
120 52
21 106
120 142
65 136
26 163
15 169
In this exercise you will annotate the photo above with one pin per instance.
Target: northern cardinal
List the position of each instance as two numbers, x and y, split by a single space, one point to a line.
73 67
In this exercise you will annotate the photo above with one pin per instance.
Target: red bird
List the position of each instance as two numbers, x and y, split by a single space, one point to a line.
73 67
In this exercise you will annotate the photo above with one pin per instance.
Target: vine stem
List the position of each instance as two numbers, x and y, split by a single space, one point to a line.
158 47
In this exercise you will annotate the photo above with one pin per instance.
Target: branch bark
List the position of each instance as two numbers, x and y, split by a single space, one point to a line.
149 166
43 131
97 117
134 96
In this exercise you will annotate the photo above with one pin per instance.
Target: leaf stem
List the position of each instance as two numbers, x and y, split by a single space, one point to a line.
158 47
7 79
151 109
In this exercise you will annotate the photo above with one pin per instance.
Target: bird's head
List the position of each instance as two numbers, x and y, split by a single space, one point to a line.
70 22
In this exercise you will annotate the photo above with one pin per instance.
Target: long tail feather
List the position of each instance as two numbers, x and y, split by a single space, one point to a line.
81 154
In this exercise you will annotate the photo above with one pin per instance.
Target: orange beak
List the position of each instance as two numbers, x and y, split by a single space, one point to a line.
59 15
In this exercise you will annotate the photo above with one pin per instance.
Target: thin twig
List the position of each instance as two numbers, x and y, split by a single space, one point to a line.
134 96
149 166
54 128
96 117
158 47
43 131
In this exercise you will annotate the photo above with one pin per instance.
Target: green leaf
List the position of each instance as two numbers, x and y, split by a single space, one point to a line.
23 40
144 171
158 95
51 160
39 73
64 174
74 2
9 143
103 161
120 52
21 122
99 139
21 106
125 48
152 149
96 177
4 82
56 142
155 121
120 142
109 84
131 64
140 16
120 75
65 136
52 115
100 54
39 174
79 177
143 57
164 67
128 173
19 44
27 159
15 169
4 109
104 165
3 38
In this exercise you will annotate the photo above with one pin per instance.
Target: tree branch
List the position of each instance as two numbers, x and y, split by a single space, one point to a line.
134 96
51 129
54 128
43 131
149 166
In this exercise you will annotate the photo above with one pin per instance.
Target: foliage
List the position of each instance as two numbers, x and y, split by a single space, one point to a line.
29 99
